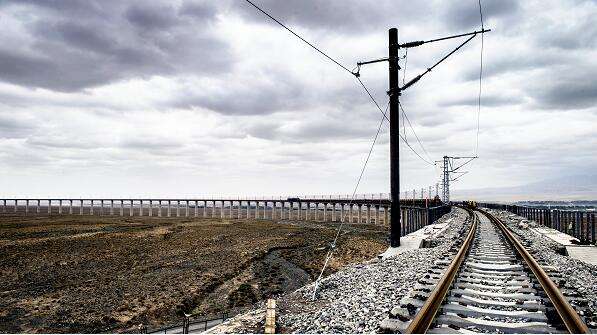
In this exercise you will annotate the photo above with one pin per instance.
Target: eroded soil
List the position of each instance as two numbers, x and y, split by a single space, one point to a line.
111 274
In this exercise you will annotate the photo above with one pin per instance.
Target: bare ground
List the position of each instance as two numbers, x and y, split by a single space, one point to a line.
110 274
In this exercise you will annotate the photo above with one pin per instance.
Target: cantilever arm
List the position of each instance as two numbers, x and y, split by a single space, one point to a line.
415 79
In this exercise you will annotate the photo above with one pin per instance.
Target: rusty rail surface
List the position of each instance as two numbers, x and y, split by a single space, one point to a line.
427 313
571 319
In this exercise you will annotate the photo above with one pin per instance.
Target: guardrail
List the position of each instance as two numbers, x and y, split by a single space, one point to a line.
415 218
580 224
191 323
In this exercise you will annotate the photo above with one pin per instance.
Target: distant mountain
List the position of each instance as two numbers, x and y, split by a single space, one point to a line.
580 187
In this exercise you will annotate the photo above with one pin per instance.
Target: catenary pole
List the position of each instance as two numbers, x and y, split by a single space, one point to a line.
394 93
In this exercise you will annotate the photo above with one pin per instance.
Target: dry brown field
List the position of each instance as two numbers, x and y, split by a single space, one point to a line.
111 274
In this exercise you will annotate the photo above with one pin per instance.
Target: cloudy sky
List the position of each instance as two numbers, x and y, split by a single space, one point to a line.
189 98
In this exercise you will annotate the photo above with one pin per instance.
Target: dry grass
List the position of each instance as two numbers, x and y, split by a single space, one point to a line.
98 274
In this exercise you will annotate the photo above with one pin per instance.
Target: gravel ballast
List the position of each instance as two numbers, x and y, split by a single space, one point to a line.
356 299
576 279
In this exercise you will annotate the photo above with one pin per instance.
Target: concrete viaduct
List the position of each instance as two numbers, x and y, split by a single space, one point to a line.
319 210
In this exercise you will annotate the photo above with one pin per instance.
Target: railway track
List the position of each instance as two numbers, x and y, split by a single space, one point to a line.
491 285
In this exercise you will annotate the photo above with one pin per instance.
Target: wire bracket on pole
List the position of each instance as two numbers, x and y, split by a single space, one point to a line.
418 43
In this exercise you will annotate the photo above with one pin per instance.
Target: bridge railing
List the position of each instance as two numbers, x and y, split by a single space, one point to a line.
580 224
415 218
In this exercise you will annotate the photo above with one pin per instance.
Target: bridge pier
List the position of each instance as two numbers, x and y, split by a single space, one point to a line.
377 214
177 208
91 207
263 212
150 207
264 204
307 211
351 213
321 218
333 211
37 209
169 212
101 207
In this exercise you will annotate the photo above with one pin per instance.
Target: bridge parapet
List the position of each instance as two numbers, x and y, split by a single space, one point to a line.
578 223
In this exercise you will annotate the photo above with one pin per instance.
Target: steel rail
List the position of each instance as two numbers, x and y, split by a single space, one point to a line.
424 318
571 319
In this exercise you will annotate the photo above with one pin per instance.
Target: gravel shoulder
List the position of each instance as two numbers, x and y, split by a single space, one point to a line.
576 279
357 298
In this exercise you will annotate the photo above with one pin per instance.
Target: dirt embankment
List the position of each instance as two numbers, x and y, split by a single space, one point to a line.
110 274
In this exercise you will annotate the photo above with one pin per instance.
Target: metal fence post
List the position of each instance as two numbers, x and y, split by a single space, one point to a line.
578 227
185 325
593 228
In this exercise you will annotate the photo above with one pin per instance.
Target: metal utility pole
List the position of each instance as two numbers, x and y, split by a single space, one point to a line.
448 168
394 93
446 181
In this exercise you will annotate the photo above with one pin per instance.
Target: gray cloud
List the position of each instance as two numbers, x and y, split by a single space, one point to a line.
245 97
568 89
319 127
486 100
151 16
464 15
92 44
215 81
11 127
150 143
569 35
348 16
